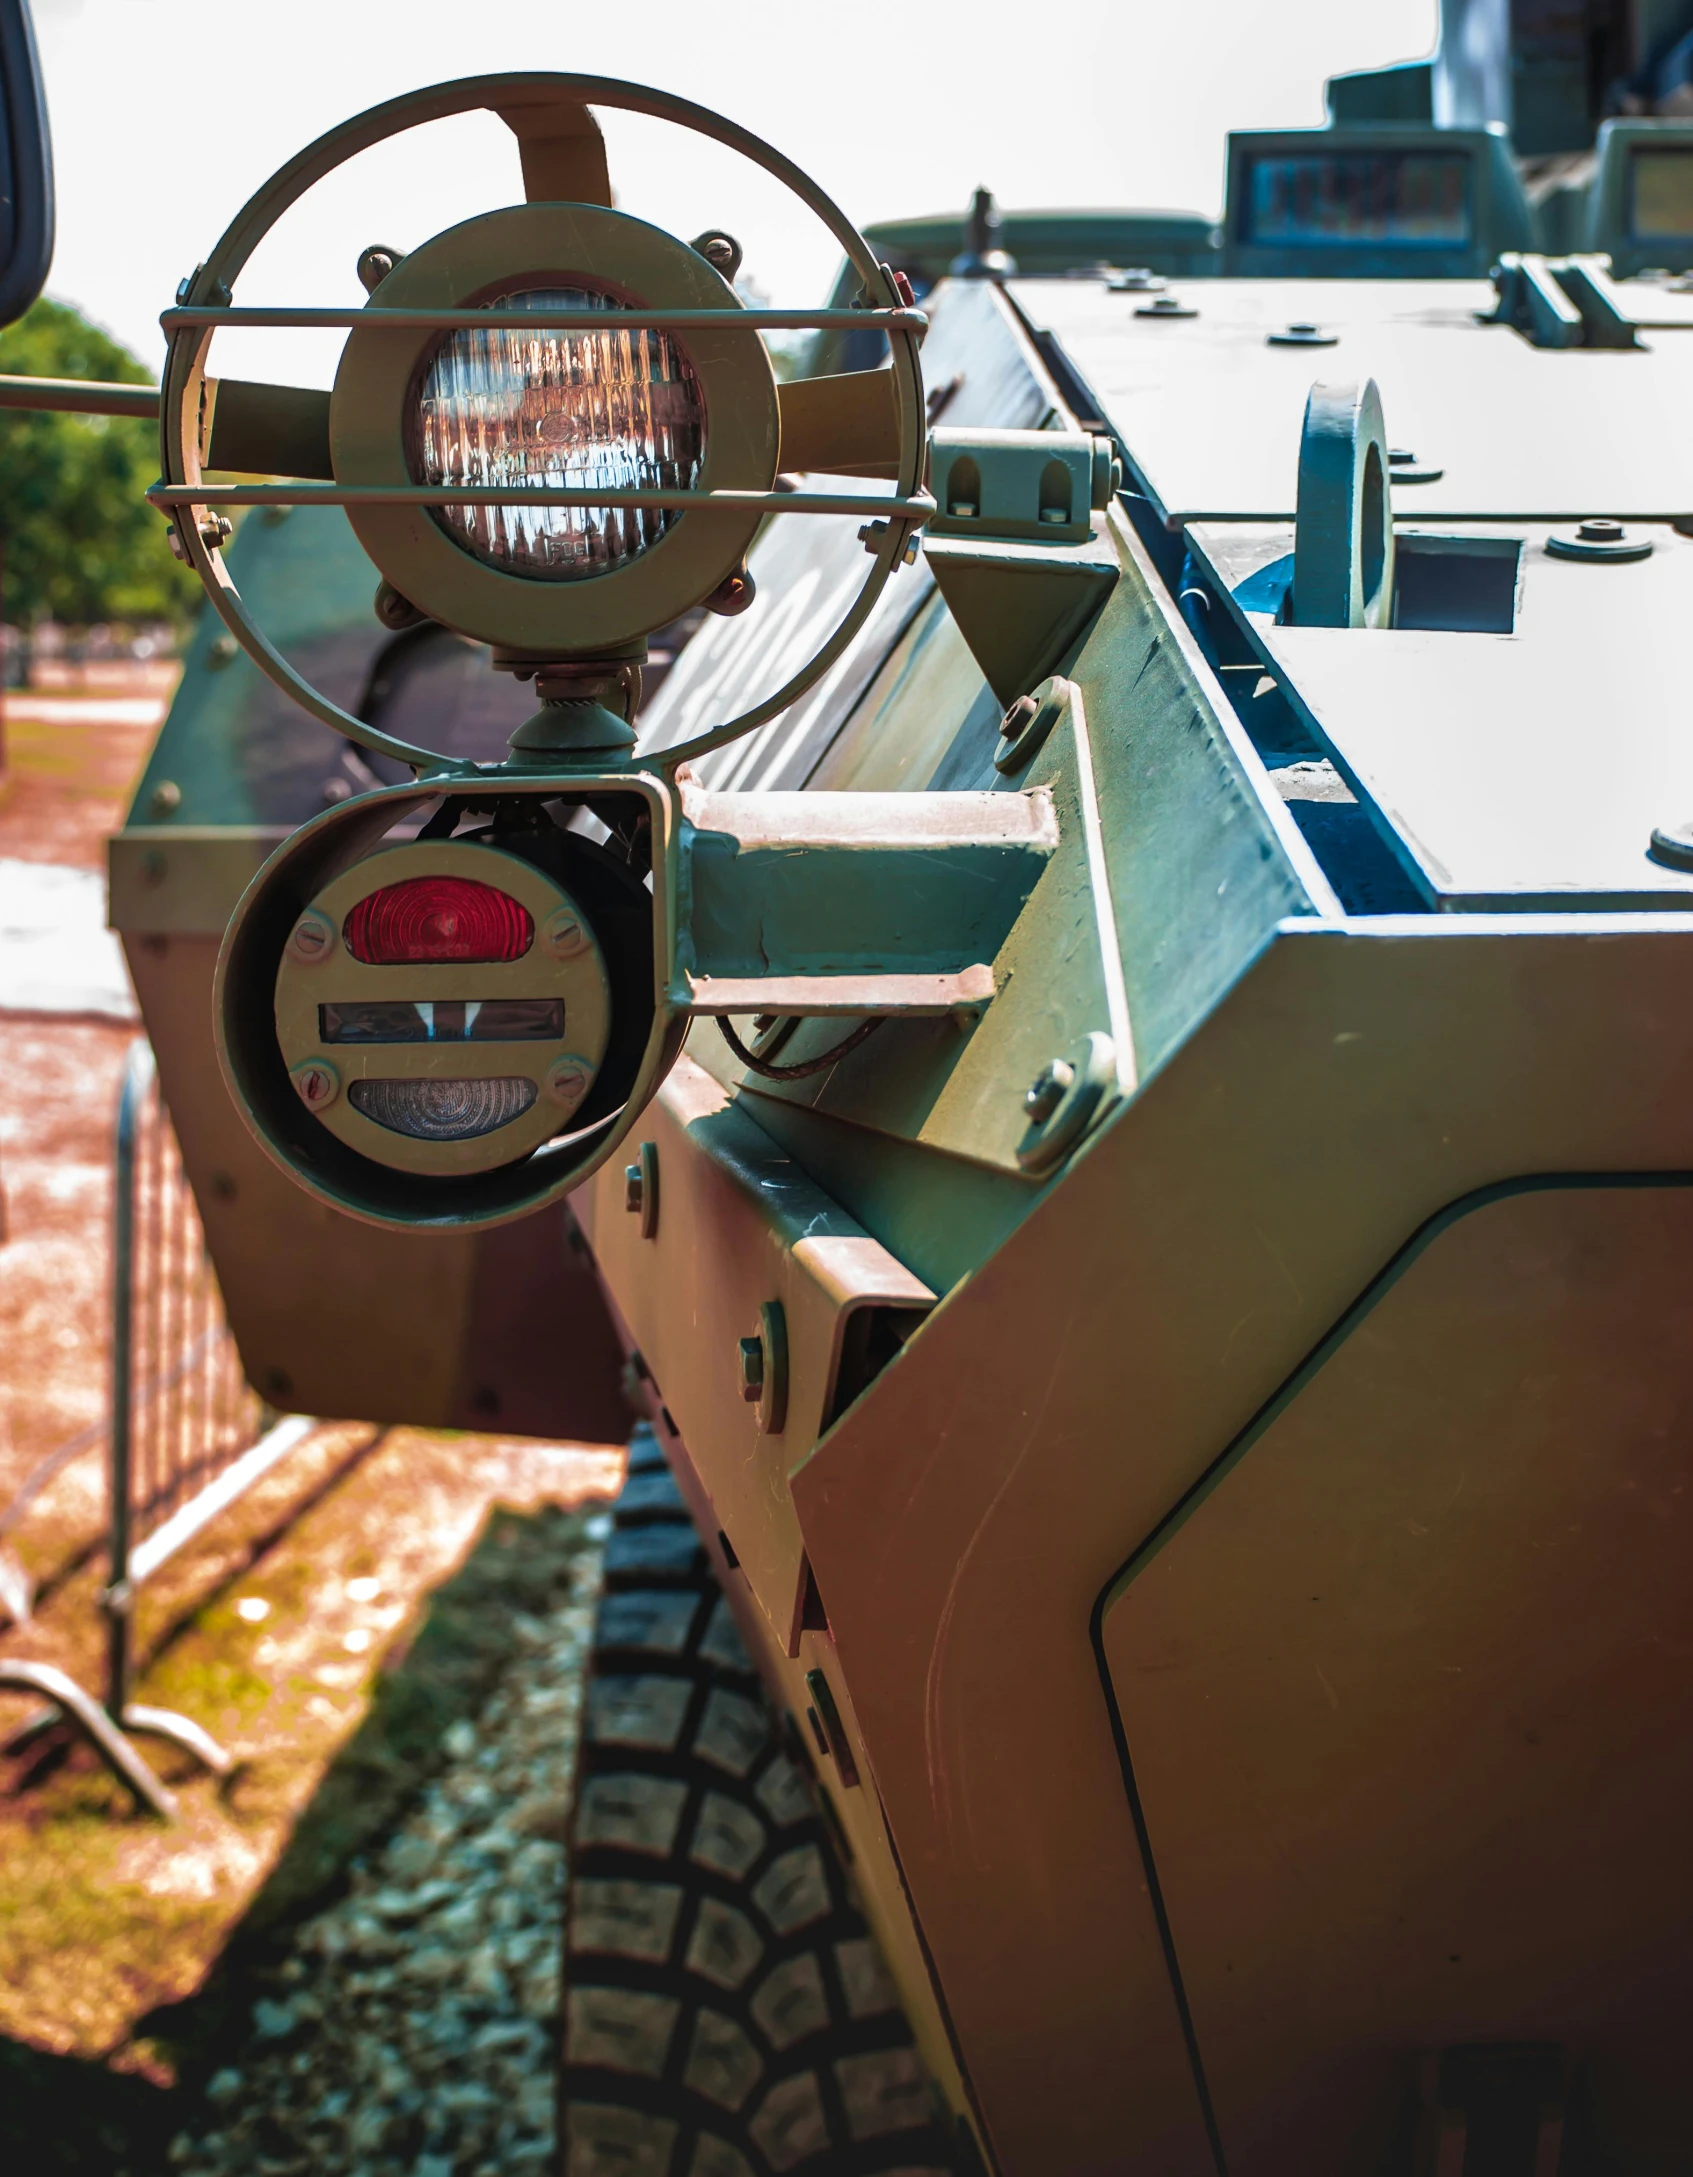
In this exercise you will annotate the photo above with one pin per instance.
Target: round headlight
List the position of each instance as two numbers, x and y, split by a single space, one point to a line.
551 408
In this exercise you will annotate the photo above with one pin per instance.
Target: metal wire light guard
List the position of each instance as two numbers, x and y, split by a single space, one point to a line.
191 502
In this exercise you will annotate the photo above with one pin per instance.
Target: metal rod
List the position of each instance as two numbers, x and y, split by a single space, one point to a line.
96 1726
138 1078
81 397
529 321
217 1496
917 508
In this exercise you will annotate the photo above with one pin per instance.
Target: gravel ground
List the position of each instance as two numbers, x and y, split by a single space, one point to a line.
410 2029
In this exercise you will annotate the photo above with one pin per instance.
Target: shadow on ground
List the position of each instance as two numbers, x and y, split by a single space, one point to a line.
63 2116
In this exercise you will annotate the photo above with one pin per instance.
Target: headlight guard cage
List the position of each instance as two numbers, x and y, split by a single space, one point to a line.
205 305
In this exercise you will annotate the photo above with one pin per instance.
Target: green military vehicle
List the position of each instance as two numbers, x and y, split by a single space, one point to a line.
1098 1054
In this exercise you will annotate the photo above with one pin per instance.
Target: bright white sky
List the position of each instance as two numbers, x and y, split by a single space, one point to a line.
167 114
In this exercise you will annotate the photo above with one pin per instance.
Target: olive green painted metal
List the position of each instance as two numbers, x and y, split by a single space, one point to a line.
1473 1722
746 1232
830 904
1247 1191
205 303
369 421
80 397
1201 1387
1343 530
502 1329
1022 605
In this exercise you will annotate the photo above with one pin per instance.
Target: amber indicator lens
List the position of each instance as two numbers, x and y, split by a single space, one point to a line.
438 918
443 1110
444 1020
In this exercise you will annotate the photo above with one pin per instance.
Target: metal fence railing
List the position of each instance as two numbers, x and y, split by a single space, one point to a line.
187 1436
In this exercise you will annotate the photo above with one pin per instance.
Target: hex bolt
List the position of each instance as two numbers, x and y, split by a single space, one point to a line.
316 1083
1601 537
395 611
568 1080
1048 1090
375 264
752 1369
312 938
640 1189
216 531
721 251
733 594
563 935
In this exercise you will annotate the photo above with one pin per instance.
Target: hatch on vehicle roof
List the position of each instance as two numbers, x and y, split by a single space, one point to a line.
1640 206
1391 201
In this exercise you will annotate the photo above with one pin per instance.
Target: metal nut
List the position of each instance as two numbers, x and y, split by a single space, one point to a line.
1600 536
634 1189
568 1080
721 251
563 935
216 531
1018 716
1047 1090
316 1083
1405 466
312 938
752 1369
375 264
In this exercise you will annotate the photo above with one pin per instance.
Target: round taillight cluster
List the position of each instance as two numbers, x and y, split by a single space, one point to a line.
437 918
442 1006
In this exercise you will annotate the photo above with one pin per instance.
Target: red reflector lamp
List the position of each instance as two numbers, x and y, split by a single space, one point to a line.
438 918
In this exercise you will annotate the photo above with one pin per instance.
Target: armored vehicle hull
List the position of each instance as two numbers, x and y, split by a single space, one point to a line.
1119 1138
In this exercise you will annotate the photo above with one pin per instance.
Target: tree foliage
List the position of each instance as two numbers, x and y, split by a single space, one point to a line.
80 542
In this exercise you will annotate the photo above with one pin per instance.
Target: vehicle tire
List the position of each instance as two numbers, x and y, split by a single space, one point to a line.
726 2013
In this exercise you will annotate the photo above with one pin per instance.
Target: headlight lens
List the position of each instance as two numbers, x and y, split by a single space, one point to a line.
523 410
